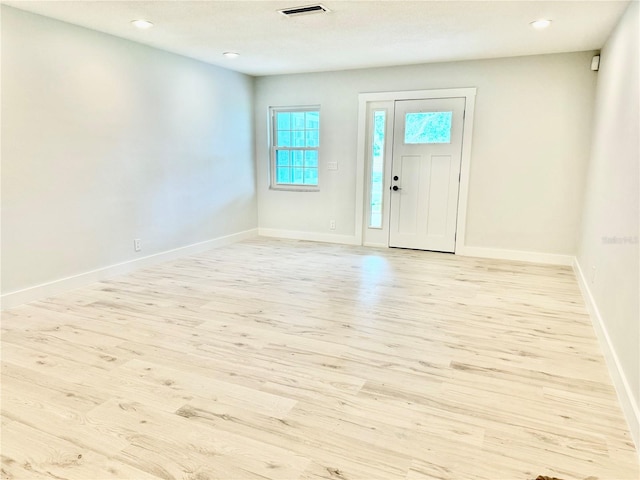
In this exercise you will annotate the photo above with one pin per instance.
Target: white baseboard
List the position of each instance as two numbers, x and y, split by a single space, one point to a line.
483 252
517 255
628 403
375 245
19 297
309 236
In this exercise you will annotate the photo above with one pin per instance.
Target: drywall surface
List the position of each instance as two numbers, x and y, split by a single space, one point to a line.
529 154
105 140
608 251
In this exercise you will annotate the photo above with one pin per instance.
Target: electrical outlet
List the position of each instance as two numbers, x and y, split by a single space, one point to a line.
593 275
137 244
332 224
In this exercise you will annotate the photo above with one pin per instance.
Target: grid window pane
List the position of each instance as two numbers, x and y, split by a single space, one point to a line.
297 120
283 175
298 138
282 157
313 138
284 138
311 158
312 120
297 158
283 121
298 175
311 176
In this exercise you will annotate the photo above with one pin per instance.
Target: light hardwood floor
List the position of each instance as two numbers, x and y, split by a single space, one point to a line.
293 360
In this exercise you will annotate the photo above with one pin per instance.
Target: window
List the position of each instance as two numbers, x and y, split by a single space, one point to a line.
377 169
294 150
428 127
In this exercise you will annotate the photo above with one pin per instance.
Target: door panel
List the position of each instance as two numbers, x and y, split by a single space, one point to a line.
409 169
439 187
427 150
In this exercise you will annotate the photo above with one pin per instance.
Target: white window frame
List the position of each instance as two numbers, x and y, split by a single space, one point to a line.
273 185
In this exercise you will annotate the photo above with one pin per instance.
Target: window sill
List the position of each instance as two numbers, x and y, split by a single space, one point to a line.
293 188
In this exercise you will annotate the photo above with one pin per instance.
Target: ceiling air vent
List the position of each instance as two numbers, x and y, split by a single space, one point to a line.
292 12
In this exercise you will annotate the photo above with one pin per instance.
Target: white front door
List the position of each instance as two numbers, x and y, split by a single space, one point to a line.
425 173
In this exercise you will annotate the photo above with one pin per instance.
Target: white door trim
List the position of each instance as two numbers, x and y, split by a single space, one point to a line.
365 98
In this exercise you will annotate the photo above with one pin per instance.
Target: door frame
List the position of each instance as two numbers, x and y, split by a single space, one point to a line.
361 160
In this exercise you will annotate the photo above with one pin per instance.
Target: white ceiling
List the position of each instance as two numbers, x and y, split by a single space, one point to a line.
355 34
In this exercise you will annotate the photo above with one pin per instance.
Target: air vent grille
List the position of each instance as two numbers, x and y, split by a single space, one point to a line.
306 10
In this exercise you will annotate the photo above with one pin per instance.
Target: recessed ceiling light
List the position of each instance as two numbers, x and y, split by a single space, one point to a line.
142 24
540 24
231 54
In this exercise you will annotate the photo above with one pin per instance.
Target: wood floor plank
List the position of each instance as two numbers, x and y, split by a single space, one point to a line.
288 360
207 447
63 417
41 455
202 386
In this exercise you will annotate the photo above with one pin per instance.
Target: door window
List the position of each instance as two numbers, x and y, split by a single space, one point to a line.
377 168
427 127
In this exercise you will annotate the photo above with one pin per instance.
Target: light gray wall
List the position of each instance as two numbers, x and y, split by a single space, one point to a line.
610 230
529 156
105 140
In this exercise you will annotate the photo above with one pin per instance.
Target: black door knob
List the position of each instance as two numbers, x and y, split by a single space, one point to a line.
395 177
395 188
